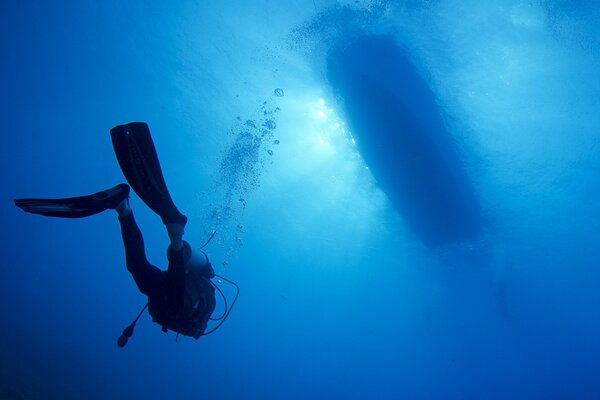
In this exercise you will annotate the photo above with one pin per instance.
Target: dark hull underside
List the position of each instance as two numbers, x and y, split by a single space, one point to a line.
401 136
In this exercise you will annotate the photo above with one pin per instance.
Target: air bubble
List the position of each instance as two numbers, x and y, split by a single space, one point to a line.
270 124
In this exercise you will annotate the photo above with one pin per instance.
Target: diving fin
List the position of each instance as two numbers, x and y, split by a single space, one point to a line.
138 159
76 207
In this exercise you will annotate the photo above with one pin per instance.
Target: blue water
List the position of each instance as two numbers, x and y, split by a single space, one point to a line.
341 298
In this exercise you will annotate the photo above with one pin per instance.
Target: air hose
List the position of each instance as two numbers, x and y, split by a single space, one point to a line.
227 310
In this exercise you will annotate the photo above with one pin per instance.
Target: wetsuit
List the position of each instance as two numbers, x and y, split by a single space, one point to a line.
176 303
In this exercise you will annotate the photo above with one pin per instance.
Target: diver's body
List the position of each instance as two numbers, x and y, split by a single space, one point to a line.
180 299
172 304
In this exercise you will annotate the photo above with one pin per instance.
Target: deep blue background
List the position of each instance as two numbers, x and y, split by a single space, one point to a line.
339 298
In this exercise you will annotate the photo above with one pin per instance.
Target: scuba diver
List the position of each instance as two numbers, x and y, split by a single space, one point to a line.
180 299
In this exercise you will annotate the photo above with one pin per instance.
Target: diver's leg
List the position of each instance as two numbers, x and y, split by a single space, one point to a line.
175 280
148 278
175 232
123 208
176 271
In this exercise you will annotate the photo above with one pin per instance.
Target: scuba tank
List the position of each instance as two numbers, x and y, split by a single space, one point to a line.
196 263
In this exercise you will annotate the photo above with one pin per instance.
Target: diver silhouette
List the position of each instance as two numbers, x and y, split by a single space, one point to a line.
180 299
